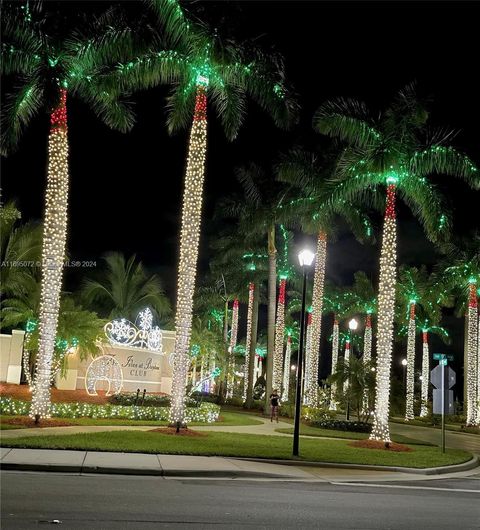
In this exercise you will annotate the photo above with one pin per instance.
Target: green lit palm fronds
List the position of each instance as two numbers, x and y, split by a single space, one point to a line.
394 147
40 57
184 53
413 285
361 296
461 268
309 203
124 287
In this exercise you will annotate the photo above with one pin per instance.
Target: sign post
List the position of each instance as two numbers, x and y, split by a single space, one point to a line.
441 381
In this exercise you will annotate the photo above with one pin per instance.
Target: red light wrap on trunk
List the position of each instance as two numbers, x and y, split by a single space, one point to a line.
281 294
472 299
368 321
412 310
58 118
390 207
425 336
200 112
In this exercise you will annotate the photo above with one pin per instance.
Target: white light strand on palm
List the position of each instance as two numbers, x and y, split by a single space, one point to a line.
367 354
317 309
286 370
279 338
410 382
53 255
189 240
335 345
346 361
231 350
425 374
308 357
248 340
472 361
386 313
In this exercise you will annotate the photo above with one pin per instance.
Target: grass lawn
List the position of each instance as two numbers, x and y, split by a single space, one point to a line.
456 427
246 445
332 433
226 418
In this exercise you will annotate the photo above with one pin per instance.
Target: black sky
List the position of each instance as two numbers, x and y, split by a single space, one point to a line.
125 189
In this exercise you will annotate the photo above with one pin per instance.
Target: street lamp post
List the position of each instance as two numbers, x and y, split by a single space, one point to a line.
404 364
305 258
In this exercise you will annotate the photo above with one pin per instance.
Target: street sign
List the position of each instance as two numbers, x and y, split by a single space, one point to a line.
436 377
442 356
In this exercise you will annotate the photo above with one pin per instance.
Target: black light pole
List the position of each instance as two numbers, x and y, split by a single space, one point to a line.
306 258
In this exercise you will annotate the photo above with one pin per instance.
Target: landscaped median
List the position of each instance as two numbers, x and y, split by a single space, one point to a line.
243 445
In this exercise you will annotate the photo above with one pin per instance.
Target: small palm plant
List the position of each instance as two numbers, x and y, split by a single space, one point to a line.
396 151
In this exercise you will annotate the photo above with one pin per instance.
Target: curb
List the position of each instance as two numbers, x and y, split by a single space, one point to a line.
455 468
205 473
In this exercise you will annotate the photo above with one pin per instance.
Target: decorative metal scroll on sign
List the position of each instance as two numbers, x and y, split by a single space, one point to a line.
143 334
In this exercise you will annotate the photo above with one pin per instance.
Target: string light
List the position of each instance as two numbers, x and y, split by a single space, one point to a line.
346 360
231 350
308 356
104 368
53 255
386 313
189 240
410 383
367 354
472 362
286 369
317 309
335 345
279 337
425 374
248 340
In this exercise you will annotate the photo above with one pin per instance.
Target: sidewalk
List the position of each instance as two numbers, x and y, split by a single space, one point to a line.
212 466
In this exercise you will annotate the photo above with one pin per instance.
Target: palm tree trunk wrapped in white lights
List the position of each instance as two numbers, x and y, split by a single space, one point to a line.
231 350
367 354
425 374
248 340
308 358
386 310
279 338
317 308
53 256
286 370
472 366
410 383
189 240
335 345
346 360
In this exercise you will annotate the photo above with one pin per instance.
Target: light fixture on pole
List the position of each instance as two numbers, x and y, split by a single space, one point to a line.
352 325
305 257
404 364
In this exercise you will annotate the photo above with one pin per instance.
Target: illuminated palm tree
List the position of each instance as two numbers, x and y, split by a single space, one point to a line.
48 61
202 68
412 288
315 213
395 150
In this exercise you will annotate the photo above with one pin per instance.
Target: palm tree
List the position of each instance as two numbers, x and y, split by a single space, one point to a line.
395 150
412 288
461 276
201 68
315 213
124 288
47 61
20 250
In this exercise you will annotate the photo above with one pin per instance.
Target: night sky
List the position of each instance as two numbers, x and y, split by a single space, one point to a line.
126 189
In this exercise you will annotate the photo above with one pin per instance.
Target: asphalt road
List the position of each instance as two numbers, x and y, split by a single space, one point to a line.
35 500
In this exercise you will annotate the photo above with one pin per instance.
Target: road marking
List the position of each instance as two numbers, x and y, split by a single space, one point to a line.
403 487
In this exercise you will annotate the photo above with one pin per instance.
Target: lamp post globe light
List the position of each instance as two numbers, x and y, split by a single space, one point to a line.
352 325
404 364
305 258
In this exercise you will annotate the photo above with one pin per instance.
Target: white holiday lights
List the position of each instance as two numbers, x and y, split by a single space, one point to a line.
410 382
317 308
248 340
104 368
367 354
53 255
335 345
307 376
425 374
286 370
472 361
386 313
231 350
279 338
189 240
346 360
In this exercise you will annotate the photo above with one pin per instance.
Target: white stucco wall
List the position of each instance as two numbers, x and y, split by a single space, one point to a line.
11 349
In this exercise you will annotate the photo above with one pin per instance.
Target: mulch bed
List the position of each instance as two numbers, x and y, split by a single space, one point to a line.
28 422
183 432
374 444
